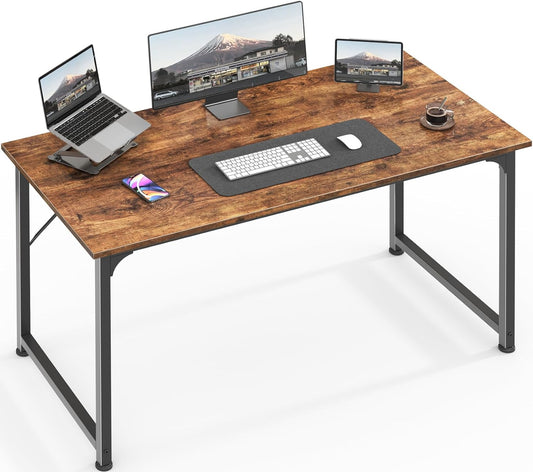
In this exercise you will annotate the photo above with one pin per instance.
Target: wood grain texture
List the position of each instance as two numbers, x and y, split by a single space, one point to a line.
108 219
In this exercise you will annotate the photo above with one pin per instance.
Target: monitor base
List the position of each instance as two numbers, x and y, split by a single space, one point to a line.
226 106
362 87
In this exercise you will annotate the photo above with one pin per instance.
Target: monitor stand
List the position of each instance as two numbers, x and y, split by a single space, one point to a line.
226 105
364 87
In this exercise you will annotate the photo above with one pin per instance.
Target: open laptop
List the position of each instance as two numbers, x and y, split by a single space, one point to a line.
78 113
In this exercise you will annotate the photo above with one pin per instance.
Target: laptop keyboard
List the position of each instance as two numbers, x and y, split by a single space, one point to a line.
91 120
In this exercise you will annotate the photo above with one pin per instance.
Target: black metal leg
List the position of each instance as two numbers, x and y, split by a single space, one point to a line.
502 322
99 431
23 259
506 326
396 217
103 363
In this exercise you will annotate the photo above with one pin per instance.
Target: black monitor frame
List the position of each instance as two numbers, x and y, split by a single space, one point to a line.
221 101
370 85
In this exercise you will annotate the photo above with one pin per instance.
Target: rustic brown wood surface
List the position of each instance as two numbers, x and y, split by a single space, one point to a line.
107 218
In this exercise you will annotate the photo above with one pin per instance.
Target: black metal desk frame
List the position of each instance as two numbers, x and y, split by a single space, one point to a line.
98 431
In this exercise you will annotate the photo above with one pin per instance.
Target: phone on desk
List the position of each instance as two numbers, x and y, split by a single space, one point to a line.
145 188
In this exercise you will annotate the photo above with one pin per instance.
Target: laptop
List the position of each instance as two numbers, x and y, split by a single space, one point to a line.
77 112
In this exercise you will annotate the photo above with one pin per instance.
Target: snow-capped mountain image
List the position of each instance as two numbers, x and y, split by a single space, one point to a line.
229 42
364 58
222 49
67 84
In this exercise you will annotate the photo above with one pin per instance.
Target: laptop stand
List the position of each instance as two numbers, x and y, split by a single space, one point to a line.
75 159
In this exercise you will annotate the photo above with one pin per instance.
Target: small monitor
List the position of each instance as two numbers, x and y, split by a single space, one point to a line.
368 63
216 59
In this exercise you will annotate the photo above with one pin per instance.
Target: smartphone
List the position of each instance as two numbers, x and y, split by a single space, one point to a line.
145 188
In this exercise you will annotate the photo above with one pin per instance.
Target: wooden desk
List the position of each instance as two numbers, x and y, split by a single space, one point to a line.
110 222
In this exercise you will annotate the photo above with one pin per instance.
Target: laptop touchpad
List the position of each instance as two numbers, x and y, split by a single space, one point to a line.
114 136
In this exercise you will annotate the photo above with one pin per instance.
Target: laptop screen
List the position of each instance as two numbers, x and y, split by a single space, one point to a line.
69 86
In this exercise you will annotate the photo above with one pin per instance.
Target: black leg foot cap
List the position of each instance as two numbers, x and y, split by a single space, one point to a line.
21 352
506 349
103 467
396 252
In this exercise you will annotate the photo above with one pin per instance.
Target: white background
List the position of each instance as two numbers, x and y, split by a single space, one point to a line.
305 347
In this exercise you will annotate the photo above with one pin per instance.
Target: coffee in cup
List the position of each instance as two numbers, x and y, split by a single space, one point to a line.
437 114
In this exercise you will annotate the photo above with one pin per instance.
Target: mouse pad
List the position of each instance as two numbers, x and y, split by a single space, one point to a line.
375 146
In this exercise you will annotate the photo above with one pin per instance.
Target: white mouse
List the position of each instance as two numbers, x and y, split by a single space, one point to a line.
350 141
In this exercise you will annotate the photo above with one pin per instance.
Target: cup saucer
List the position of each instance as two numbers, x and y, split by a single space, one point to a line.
450 123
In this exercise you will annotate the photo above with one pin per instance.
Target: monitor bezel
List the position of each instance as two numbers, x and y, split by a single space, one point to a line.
90 96
191 97
358 81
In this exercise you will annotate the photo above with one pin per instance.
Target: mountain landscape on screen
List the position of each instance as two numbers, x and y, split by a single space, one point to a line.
222 49
364 58
67 84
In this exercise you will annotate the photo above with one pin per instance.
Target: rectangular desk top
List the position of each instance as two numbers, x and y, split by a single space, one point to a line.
108 219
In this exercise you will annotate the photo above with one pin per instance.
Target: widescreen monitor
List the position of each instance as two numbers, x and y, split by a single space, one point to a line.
368 63
216 59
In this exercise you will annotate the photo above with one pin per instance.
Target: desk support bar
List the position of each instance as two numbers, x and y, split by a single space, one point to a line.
502 322
22 198
63 391
396 217
103 273
507 252
52 218
104 269
480 308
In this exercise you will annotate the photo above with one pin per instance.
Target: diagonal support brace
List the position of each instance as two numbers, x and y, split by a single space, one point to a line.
42 229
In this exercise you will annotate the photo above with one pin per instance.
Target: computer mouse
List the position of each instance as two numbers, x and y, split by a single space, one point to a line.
350 141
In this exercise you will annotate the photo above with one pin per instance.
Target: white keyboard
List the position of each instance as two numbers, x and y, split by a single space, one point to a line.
271 159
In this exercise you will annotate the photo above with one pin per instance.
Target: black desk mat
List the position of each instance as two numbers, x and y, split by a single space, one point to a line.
375 146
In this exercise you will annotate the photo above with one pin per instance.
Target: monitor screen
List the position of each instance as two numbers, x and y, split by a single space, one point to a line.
69 85
227 55
373 62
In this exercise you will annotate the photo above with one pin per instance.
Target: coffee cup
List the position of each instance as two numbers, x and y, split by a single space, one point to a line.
437 114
